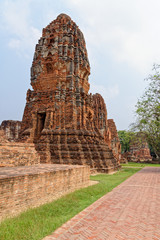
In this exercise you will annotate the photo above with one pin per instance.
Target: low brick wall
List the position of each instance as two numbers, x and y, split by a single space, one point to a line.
31 186
14 154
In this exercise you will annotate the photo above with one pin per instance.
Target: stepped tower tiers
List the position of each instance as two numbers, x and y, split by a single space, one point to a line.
60 117
114 140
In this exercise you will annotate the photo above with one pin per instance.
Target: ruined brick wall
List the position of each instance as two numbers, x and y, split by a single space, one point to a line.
18 154
59 112
3 138
100 114
24 187
114 139
139 150
11 129
125 157
106 127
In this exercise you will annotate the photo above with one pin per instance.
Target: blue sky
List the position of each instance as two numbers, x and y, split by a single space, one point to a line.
122 38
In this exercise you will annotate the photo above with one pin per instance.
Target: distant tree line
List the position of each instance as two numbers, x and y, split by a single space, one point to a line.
148 116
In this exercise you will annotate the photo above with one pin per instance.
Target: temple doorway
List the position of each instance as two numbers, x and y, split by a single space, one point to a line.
40 124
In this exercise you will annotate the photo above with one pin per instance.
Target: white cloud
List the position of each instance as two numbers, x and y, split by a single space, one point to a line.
127 30
14 43
118 33
17 24
108 93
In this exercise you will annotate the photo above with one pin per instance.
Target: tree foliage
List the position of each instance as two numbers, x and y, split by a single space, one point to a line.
148 111
125 138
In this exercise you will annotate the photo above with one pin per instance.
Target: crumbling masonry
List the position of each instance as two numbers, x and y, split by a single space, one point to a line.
67 124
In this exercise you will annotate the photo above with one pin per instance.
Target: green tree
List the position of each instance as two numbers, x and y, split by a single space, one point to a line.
148 111
125 139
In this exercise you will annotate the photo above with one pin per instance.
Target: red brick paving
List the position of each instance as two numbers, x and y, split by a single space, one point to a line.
130 211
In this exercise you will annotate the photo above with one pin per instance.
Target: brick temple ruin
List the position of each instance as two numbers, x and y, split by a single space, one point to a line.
66 123
64 131
139 150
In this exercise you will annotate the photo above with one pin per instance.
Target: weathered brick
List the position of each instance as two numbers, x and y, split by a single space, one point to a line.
60 116
11 129
114 141
139 150
24 187
17 153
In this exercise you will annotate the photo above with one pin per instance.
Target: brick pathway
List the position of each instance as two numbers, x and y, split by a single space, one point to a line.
130 211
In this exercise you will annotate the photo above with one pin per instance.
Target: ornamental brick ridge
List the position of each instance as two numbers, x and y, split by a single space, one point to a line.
67 124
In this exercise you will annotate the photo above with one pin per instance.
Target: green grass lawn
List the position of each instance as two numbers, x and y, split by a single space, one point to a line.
39 222
139 165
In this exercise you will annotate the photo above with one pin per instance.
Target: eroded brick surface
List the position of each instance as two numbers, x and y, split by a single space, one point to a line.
31 186
3 138
140 153
11 129
139 150
130 212
17 153
60 115
114 141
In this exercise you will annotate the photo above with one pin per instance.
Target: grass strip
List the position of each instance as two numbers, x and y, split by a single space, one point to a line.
139 165
37 223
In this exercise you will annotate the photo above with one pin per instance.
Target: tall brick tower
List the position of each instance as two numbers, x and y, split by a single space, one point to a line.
60 116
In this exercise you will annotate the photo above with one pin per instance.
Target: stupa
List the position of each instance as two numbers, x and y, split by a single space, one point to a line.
60 116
